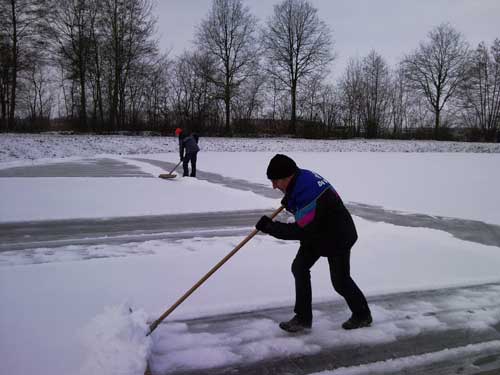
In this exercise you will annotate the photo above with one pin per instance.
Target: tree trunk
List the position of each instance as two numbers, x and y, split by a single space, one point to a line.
83 98
293 118
227 102
115 79
98 84
437 109
228 117
3 101
437 123
99 98
13 88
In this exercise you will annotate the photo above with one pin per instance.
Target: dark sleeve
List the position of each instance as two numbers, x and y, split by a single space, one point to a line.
312 231
181 147
285 231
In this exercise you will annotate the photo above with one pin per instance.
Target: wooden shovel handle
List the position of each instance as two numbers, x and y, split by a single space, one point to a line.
155 324
172 171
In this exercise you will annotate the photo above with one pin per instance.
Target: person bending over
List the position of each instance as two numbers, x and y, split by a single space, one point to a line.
189 145
325 228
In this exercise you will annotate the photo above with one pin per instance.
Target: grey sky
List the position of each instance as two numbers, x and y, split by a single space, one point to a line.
392 28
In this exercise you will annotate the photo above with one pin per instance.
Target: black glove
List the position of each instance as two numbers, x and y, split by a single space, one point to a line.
264 224
284 202
182 158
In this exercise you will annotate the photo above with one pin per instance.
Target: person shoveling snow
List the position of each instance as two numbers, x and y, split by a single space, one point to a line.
325 228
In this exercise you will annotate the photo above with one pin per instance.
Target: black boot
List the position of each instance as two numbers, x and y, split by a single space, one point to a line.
355 322
295 325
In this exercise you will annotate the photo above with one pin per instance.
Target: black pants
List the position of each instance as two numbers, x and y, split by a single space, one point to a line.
187 158
341 280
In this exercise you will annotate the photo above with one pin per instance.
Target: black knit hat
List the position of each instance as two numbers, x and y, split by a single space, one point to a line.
281 166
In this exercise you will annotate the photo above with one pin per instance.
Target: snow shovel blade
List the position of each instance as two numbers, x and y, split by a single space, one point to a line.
167 175
170 174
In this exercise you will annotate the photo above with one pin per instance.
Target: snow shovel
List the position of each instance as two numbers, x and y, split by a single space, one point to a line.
170 174
155 324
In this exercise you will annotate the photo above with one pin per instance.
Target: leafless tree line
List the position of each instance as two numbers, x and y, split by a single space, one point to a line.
94 65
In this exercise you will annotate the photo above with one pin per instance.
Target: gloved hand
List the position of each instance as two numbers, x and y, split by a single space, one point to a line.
263 224
182 158
284 202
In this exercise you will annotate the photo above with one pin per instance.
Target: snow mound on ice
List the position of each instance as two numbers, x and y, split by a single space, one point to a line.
116 342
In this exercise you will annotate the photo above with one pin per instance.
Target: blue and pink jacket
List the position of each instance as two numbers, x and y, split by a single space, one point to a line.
322 222
302 201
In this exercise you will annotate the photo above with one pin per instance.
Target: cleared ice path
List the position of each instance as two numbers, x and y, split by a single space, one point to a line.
54 233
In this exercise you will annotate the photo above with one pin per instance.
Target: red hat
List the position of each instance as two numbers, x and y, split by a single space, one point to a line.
178 131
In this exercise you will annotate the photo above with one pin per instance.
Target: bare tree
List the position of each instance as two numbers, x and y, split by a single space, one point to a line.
399 102
437 68
193 95
480 95
185 85
228 35
5 81
96 71
129 25
308 97
297 44
275 94
69 26
331 108
155 91
249 101
18 38
351 94
38 96
9 13
375 93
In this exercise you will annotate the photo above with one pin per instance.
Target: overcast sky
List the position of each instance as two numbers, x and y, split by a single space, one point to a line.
392 28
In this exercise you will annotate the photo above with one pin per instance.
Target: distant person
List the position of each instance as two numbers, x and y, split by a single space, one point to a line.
188 150
325 228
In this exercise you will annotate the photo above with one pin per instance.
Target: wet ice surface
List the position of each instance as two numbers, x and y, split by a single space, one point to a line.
100 167
468 359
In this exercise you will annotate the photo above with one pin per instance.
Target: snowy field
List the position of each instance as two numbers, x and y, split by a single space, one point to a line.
33 147
63 308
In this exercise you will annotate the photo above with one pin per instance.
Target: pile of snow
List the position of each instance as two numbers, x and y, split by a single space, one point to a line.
40 146
116 342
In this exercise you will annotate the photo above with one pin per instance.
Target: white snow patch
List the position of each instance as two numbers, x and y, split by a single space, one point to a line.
83 197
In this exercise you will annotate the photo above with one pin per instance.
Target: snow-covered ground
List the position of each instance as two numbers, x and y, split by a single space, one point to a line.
62 312
33 147
68 198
